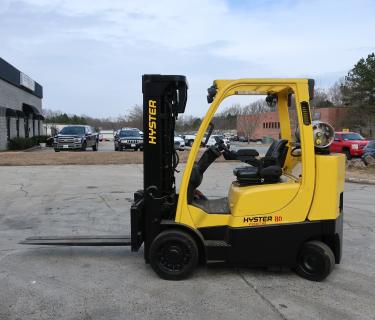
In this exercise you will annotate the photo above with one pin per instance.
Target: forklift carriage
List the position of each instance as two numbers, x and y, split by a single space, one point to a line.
285 209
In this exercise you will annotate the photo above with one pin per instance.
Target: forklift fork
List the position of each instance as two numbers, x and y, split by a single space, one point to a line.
79 241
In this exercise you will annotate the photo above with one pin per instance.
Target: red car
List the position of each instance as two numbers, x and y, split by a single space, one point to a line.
350 143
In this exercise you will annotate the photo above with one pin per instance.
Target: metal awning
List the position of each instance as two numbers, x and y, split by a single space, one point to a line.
10 112
20 114
27 108
38 117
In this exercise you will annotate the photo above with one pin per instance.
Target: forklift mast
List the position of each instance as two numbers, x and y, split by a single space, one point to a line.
164 97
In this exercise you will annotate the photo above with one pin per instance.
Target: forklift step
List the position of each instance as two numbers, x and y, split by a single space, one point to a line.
216 243
79 241
217 250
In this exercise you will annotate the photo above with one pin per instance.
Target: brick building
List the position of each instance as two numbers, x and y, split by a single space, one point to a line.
20 105
267 124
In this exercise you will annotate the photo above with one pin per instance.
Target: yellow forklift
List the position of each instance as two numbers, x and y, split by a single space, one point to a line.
283 209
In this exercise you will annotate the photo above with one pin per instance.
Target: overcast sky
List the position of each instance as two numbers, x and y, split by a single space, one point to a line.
89 55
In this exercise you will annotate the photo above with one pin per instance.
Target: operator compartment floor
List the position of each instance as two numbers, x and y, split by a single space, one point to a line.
215 206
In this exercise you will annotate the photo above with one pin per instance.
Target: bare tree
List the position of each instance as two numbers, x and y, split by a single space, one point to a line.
335 95
321 99
135 116
250 117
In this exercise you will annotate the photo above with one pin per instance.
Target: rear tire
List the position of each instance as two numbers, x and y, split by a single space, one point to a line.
347 153
174 255
315 261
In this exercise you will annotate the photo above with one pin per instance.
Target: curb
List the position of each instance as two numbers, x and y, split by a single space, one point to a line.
359 180
32 149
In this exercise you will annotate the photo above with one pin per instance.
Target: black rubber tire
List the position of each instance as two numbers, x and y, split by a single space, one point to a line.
174 255
57 150
116 148
84 146
95 146
347 153
315 261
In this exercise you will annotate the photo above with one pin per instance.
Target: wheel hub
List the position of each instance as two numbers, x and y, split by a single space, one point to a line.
173 254
173 257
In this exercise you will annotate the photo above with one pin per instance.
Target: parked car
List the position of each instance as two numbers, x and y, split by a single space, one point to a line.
243 139
215 138
369 151
128 138
179 143
108 135
189 139
350 143
76 137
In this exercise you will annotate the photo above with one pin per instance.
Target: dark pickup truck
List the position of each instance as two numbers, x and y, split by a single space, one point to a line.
77 137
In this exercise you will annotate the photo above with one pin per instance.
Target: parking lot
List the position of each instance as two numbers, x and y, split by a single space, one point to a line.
113 283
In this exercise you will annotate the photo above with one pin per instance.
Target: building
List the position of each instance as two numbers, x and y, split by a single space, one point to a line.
51 129
267 124
20 105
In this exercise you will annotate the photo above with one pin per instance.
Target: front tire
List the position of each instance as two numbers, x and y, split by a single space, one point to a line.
347 153
95 146
174 255
315 261
84 146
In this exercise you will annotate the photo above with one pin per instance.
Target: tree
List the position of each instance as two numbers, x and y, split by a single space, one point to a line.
250 117
227 119
135 117
335 95
358 92
321 99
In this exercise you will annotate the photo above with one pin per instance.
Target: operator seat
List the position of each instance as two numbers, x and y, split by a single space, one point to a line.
268 169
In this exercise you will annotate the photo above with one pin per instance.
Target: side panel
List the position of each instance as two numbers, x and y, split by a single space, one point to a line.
261 199
330 179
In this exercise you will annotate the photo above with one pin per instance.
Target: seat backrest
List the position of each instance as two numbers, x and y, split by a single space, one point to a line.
271 148
278 151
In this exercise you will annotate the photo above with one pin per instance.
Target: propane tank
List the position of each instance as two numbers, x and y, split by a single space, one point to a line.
323 134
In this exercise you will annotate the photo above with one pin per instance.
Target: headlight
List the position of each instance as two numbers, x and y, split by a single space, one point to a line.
55 140
77 140
355 146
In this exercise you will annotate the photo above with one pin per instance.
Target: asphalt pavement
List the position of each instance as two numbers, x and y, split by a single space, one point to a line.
261 148
114 283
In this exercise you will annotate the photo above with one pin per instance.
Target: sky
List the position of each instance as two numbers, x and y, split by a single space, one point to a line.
89 55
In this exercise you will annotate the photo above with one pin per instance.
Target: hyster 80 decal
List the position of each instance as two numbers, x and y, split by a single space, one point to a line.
261 220
152 121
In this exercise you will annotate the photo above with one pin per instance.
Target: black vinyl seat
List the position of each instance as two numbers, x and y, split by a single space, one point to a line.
266 170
